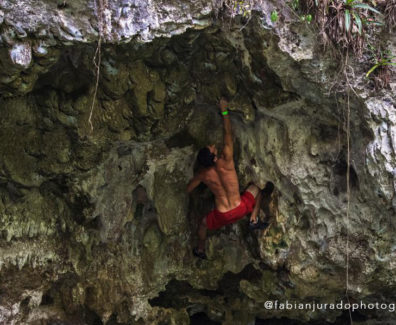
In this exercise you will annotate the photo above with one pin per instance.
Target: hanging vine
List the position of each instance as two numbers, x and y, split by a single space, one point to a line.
100 8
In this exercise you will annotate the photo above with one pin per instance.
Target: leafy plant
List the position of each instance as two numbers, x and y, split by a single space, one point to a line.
382 60
274 16
352 14
303 15
295 4
307 18
381 63
343 22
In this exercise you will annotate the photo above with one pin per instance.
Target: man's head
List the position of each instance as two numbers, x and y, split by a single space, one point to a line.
207 156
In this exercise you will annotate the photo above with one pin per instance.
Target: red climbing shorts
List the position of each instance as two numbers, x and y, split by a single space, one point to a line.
216 219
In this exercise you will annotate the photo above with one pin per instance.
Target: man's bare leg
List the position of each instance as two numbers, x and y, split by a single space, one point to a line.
202 236
256 209
255 222
256 192
200 250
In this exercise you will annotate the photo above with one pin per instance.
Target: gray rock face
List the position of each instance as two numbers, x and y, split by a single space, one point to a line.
54 23
96 226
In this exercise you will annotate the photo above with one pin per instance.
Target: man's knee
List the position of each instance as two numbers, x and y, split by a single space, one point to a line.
253 189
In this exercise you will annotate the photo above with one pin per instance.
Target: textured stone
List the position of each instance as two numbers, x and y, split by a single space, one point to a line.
21 55
98 223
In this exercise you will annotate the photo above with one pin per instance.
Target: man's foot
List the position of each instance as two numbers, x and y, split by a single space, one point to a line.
268 189
258 224
199 254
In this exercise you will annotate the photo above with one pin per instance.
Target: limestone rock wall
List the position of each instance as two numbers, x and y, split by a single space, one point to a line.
96 226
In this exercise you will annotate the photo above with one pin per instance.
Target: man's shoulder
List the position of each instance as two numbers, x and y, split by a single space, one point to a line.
206 171
225 163
208 174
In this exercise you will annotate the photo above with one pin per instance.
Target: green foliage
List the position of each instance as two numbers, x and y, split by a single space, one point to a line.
381 63
352 14
381 59
274 16
342 22
295 5
307 18
381 70
345 23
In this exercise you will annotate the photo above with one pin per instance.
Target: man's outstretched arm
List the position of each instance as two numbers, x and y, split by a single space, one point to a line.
228 150
193 183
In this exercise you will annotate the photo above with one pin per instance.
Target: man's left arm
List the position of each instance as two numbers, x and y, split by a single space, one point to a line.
193 183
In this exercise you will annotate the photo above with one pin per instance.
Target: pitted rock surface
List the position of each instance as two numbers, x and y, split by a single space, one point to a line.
97 227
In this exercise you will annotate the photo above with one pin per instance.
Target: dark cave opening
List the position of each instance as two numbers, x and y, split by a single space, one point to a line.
229 283
91 317
47 300
267 198
177 292
180 294
278 321
142 202
202 319
69 74
180 140
340 169
25 302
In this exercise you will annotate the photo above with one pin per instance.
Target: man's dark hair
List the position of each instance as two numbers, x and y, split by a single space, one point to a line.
205 157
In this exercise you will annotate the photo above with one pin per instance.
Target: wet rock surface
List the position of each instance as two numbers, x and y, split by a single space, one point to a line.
96 226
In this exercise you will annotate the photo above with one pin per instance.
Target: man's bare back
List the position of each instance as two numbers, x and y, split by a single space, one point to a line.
222 180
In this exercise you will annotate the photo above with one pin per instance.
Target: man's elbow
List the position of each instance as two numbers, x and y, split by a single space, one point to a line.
228 153
189 188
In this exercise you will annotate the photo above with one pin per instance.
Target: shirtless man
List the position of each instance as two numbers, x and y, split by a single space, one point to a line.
219 174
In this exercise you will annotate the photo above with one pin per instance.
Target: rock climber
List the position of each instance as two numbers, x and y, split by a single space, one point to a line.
219 174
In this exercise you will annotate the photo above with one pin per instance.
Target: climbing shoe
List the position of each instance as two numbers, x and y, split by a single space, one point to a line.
199 254
258 225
